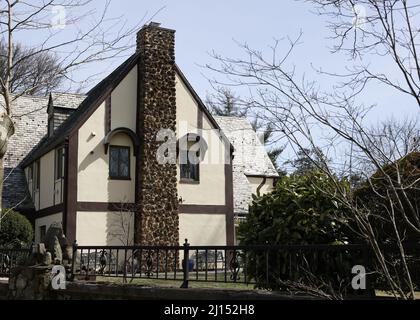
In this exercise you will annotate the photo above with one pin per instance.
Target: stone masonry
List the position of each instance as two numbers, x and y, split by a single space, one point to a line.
157 220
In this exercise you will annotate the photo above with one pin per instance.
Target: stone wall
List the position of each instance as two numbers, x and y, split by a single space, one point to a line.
30 283
157 220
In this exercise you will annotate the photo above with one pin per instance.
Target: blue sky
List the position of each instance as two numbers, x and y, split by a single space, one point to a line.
204 26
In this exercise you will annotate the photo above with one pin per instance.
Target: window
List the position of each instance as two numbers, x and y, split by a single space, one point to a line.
190 164
37 174
42 233
59 163
119 163
30 174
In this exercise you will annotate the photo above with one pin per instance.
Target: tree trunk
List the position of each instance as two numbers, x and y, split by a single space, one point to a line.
1 186
7 129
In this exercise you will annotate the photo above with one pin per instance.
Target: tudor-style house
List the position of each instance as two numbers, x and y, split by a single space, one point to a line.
92 163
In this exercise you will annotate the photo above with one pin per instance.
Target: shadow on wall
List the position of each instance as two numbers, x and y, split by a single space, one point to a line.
96 154
120 227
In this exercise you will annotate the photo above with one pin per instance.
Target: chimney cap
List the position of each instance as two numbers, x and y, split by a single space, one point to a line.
154 24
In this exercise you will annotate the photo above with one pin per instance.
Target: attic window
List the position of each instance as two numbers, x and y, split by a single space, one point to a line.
37 175
59 163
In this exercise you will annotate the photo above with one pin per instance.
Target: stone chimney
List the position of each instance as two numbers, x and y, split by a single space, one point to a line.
157 220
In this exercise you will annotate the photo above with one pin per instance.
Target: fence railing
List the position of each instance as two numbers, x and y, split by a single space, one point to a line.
266 266
10 258
261 265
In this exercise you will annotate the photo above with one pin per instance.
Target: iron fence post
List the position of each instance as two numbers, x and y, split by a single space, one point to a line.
185 264
73 260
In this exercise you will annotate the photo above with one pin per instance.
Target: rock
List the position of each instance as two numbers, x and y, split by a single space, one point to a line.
57 253
54 232
27 273
63 241
47 259
67 254
12 285
41 249
20 282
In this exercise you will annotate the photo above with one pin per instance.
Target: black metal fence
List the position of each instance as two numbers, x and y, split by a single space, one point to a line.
261 265
10 258
265 266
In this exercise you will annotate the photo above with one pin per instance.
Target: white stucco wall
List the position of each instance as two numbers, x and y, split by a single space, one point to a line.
104 228
47 180
124 102
211 188
94 184
202 229
46 221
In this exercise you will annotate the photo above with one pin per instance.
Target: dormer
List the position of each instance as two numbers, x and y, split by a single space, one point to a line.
60 107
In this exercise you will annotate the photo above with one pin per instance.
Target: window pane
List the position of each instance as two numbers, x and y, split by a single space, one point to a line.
124 163
59 163
194 172
119 162
184 171
189 170
113 162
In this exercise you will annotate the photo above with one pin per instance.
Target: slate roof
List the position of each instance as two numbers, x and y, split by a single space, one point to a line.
250 158
67 100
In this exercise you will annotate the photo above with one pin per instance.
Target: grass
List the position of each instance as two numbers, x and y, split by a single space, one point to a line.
380 293
176 283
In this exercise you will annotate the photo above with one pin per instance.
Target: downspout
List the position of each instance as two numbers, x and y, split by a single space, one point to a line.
65 191
261 185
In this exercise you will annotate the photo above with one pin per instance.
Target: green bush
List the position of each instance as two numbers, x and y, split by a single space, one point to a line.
299 211
15 230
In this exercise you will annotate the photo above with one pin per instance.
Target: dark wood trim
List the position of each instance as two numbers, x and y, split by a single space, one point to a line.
55 169
139 156
230 224
108 114
133 136
261 176
71 188
200 119
49 211
104 206
202 209
188 181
